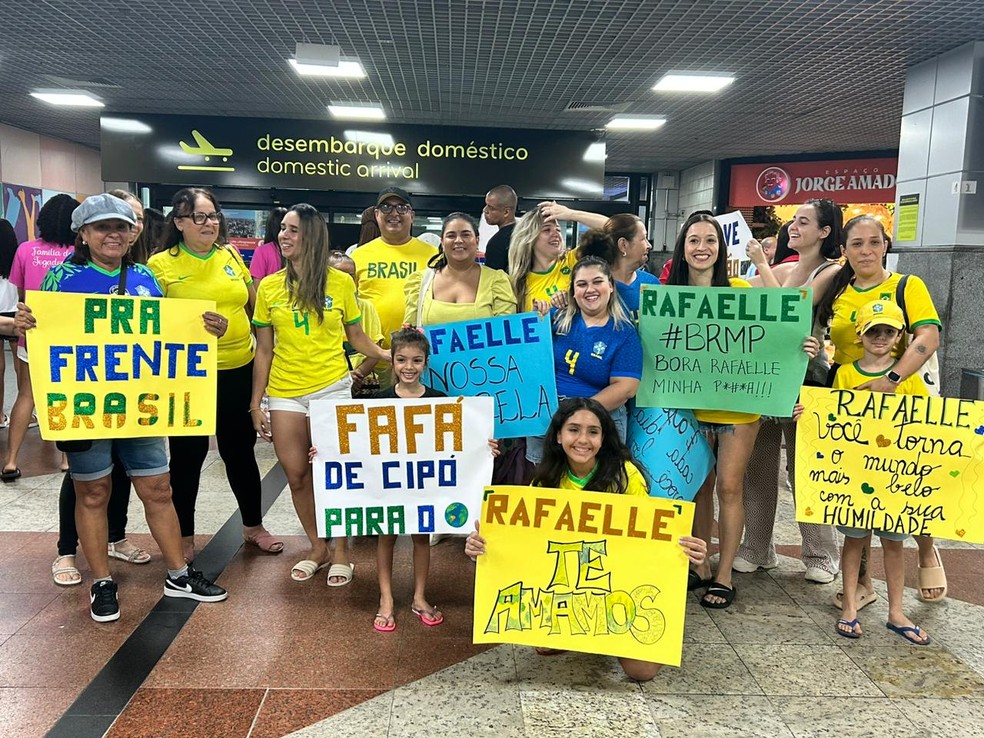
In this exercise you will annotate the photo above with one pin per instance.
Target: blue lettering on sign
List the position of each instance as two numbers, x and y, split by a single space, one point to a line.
730 233
425 518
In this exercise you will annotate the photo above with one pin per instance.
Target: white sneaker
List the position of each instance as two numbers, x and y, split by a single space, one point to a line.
818 575
747 567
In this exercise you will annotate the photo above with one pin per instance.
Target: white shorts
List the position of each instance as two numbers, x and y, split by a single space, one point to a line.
341 390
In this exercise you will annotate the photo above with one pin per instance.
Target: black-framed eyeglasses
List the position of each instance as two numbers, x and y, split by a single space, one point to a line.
199 218
386 208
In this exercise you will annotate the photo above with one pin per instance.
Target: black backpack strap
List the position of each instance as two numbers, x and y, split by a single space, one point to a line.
121 287
900 300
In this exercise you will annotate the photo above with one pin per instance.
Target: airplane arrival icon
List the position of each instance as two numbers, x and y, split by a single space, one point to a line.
207 149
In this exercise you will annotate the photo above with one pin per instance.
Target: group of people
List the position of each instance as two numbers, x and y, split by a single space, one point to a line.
304 322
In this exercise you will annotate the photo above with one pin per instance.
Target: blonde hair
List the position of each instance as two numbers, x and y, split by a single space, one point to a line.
521 243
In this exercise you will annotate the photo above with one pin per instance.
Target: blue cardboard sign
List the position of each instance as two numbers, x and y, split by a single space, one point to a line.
509 358
670 450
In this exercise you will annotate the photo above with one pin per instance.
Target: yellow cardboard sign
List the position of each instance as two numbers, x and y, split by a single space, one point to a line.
900 463
105 366
583 571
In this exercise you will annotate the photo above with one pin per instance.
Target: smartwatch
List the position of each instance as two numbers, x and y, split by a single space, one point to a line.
894 377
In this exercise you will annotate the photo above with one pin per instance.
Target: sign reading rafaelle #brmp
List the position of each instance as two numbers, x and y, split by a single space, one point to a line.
322 155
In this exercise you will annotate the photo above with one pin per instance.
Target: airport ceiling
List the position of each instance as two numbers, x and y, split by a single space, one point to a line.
812 75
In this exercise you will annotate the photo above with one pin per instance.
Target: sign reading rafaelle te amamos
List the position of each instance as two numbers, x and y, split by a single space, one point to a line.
309 154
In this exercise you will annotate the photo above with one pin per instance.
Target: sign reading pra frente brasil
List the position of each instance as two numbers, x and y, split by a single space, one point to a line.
509 358
715 348
359 157
583 571
900 463
395 467
104 366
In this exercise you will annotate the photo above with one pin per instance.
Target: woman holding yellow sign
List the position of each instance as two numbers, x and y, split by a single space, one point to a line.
102 265
191 264
583 451
304 314
862 279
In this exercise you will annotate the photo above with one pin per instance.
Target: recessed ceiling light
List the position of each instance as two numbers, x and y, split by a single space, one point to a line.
370 137
124 125
635 123
345 68
694 82
67 97
355 111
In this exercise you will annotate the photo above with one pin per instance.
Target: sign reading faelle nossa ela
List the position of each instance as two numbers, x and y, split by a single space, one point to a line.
325 155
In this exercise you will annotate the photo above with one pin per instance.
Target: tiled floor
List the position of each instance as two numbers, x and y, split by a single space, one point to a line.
281 656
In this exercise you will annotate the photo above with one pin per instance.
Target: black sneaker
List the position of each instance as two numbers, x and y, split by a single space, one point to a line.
103 604
194 586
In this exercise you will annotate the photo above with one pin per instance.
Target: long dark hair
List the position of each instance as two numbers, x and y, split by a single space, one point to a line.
306 285
369 230
680 271
183 203
829 215
271 232
783 251
440 260
825 308
55 220
8 245
149 239
603 242
609 473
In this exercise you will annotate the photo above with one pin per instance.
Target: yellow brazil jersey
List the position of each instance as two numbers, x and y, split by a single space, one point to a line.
727 417
544 285
372 328
307 356
219 275
919 310
382 269
636 485
851 376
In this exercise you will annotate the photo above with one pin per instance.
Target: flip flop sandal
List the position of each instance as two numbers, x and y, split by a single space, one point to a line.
718 590
932 577
852 624
344 572
863 601
305 569
906 632
428 617
71 573
388 626
265 541
128 552
9 475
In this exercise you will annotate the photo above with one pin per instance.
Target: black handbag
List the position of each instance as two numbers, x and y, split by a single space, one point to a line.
84 445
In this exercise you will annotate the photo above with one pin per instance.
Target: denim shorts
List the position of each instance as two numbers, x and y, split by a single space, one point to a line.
864 533
340 390
141 457
715 429
534 444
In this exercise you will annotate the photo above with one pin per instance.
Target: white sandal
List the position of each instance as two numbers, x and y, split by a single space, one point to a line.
128 552
72 573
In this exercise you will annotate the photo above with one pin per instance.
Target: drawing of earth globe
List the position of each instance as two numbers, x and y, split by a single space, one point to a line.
456 515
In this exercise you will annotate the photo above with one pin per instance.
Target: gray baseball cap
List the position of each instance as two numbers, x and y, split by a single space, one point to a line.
102 207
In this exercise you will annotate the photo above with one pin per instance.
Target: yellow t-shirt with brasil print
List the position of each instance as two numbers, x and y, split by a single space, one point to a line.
382 269
544 285
727 417
307 356
919 310
636 485
219 275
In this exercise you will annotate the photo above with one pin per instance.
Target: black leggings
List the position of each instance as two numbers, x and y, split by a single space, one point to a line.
119 501
235 437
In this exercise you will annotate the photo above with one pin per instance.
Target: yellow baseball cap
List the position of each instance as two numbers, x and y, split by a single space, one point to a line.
879 312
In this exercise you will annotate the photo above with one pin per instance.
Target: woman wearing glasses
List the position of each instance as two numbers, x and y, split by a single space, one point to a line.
191 264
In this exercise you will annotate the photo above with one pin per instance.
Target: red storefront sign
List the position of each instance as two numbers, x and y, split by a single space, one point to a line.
791 183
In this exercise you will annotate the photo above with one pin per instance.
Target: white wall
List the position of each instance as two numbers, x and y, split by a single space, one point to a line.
33 160
697 188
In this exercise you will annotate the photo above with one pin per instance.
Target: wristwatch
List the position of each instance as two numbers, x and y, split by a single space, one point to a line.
894 377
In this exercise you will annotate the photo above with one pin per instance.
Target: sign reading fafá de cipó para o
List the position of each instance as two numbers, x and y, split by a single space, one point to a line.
401 466
362 157
105 366
583 571
720 348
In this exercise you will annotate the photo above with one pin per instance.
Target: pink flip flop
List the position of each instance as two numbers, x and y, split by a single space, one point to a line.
430 618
